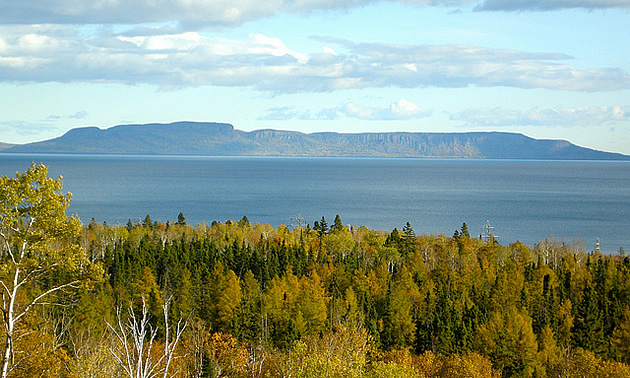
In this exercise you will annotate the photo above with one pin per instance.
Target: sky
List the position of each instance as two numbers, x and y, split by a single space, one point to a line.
550 69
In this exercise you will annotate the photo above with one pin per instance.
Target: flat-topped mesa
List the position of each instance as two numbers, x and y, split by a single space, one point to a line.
222 139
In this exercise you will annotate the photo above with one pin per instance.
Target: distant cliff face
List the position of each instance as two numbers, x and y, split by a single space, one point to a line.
221 139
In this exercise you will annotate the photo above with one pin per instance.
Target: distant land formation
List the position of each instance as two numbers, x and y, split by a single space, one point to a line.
222 139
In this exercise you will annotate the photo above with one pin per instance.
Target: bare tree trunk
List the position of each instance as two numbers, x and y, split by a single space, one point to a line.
136 339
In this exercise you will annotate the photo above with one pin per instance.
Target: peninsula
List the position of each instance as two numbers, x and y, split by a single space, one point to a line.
222 139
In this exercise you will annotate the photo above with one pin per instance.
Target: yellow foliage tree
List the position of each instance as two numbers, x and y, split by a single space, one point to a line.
313 303
340 353
471 365
620 340
227 357
508 339
36 242
226 299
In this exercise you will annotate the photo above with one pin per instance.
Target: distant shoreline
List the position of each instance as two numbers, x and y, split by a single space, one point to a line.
221 139
196 156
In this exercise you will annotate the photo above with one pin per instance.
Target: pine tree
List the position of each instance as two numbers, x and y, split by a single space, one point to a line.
465 230
323 226
394 240
588 329
408 232
409 239
337 225
181 220
244 221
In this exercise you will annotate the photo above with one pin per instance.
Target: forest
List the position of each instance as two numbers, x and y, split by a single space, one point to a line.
237 299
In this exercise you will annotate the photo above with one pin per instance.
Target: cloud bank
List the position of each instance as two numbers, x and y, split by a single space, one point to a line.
49 53
195 13
549 5
397 111
560 116
401 110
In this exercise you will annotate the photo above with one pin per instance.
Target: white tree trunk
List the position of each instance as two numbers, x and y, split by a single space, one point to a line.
136 339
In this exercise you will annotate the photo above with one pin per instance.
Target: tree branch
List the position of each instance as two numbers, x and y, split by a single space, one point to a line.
36 300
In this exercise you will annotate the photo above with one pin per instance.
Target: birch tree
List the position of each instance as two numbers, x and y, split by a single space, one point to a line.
38 256
136 339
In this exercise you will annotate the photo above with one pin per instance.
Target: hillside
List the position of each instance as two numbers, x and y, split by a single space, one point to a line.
4 146
221 139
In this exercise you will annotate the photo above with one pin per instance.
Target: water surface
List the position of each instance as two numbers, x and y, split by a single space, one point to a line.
524 200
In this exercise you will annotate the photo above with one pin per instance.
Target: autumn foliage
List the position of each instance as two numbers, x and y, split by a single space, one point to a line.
252 300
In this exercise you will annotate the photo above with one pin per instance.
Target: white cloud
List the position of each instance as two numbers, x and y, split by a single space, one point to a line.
168 59
275 47
548 5
284 113
401 110
560 116
327 50
234 12
182 41
186 12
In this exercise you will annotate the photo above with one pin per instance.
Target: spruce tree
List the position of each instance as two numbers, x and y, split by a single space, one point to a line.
323 225
465 230
337 225
588 329
409 238
181 220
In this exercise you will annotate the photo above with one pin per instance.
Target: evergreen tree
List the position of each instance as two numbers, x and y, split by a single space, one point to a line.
147 221
337 225
588 329
409 239
408 232
316 227
304 293
181 220
465 230
394 240
323 226
244 221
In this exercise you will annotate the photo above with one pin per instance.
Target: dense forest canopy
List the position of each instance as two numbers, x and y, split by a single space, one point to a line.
237 299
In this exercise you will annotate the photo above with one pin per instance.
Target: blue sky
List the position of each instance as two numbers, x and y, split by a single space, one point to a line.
549 69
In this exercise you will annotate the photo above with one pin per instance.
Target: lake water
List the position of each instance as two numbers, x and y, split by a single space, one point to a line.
524 200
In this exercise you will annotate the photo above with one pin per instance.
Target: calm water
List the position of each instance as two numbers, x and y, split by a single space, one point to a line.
524 200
